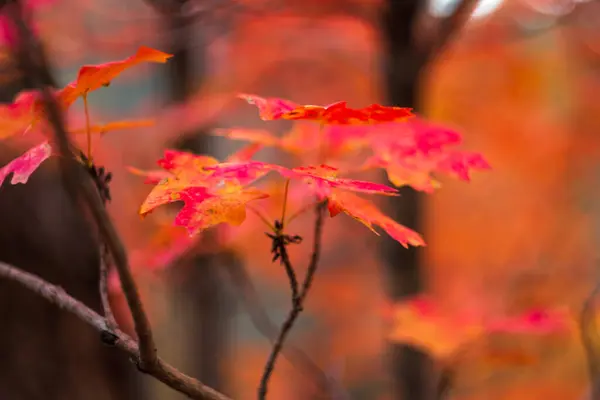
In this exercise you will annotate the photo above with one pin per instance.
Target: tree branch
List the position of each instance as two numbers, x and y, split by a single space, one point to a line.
587 331
57 296
103 288
77 185
297 306
291 273
262 322
432 34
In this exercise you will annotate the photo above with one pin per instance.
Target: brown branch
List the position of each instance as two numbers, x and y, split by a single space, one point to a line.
103 288
297 307
263 324
77 184
57 296
587 330
433 34
291 273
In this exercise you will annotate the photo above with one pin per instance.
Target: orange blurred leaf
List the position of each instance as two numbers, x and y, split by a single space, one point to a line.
114 126
92 77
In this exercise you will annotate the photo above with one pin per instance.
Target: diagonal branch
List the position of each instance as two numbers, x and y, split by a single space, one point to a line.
587 330
262 322
297 307
57 296
433 34
103 288
80 186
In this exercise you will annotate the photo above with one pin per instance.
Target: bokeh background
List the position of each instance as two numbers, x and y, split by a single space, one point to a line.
520 79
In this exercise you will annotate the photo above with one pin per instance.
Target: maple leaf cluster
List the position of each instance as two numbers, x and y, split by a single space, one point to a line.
345 140
27 112
409 149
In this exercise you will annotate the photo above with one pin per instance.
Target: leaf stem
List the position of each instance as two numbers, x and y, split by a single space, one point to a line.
301 211
285 198
262 216
298 305
88 131
322 145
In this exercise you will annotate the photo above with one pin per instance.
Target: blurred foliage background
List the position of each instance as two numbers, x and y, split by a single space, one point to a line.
520 79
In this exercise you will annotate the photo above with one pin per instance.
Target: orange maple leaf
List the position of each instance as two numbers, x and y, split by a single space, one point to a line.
208 200
92 77
202 210
333 114
20 115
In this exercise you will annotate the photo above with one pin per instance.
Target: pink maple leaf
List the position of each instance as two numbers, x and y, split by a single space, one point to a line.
23 166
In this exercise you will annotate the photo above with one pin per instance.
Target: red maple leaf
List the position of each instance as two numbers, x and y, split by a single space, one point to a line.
321 178
334 114
23 166
368 214
413 152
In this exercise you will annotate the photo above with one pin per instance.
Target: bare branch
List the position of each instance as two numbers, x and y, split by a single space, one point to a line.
291 273
103 288
297 307
432 34
78 185
587 331
57 296
262 322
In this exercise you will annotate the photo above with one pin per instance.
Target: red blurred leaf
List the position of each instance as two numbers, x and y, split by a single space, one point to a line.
23 166
412 152
422 322
321 178
334 114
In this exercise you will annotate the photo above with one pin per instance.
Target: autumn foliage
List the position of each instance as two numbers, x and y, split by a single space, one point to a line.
330 145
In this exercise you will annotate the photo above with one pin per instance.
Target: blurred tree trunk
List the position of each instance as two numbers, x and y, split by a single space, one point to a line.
411 368
46 353
198 297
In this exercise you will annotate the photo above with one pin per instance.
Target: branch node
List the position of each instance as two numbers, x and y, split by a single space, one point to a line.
109 338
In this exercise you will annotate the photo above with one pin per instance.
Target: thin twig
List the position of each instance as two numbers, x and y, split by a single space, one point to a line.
57 296
587 331
103 287
291 273
297 307
263 324
79 185
316 251
433 34
444 383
